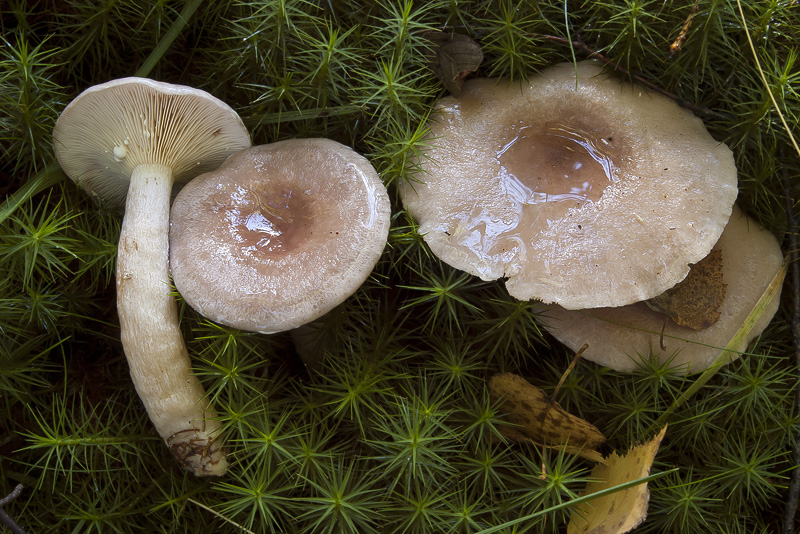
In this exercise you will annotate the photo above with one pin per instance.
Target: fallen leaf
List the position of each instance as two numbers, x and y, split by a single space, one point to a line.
454 57
695 302
519 437
542 420
622 511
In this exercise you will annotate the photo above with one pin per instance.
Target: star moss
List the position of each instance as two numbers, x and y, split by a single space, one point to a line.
382 423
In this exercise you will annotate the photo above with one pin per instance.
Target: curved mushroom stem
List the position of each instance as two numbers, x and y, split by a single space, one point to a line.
151 337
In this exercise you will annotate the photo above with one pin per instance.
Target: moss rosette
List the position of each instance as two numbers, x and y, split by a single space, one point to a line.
660 188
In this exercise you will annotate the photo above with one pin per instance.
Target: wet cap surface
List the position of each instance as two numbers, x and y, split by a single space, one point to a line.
279 235
112 127
596 196
620 337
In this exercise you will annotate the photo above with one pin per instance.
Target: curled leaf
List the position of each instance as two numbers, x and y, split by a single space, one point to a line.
541 419
695 302
454 57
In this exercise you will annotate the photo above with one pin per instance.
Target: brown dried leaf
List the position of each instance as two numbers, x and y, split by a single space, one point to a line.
453 58
541 419
695 302
622 511
515 435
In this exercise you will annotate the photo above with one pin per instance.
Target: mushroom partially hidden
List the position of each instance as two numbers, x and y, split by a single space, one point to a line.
279 234
129 141
621 337
584 191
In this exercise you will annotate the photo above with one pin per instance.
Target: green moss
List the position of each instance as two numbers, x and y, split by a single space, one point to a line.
389 427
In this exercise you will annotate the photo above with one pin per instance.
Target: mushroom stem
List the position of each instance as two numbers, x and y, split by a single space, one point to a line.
151 337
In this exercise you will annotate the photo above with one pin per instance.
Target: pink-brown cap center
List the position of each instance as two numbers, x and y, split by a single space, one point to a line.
556 163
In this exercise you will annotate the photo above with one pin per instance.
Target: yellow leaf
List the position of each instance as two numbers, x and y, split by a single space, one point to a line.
623 511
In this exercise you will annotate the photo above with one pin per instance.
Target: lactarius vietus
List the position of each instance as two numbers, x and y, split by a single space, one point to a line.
279 234
622 337
129 141
579 189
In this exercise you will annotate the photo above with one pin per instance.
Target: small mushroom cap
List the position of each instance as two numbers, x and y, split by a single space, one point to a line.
112 127
592 194
279 234
621 337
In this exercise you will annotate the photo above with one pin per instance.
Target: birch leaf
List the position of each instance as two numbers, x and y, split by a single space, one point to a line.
623 511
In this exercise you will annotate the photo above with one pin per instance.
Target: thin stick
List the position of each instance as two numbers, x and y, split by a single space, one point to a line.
675 47
569 369
794 488
204 507
5 519
764 80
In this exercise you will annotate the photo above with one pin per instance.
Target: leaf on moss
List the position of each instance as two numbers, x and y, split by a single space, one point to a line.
542 420
695 302
453 58
622 511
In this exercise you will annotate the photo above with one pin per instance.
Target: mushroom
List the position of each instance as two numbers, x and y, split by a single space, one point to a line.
129 141
584 191
279 234
622 337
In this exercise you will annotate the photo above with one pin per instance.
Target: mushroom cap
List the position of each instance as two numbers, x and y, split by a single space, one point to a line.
587 194
621 337
279 234
111 128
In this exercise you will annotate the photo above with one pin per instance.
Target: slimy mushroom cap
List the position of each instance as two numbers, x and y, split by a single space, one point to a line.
621 337
279 234
585 194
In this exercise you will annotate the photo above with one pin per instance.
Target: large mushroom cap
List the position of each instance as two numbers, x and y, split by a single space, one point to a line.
111 128
279 234
621 337
587 194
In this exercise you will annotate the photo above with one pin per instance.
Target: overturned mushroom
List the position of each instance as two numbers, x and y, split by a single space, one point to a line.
621 337
585 192
128 142
279 234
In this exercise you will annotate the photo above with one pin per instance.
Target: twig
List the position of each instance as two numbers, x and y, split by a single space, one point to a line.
5 519
794 488
764 80
592 53
675 47
570 368
204 507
